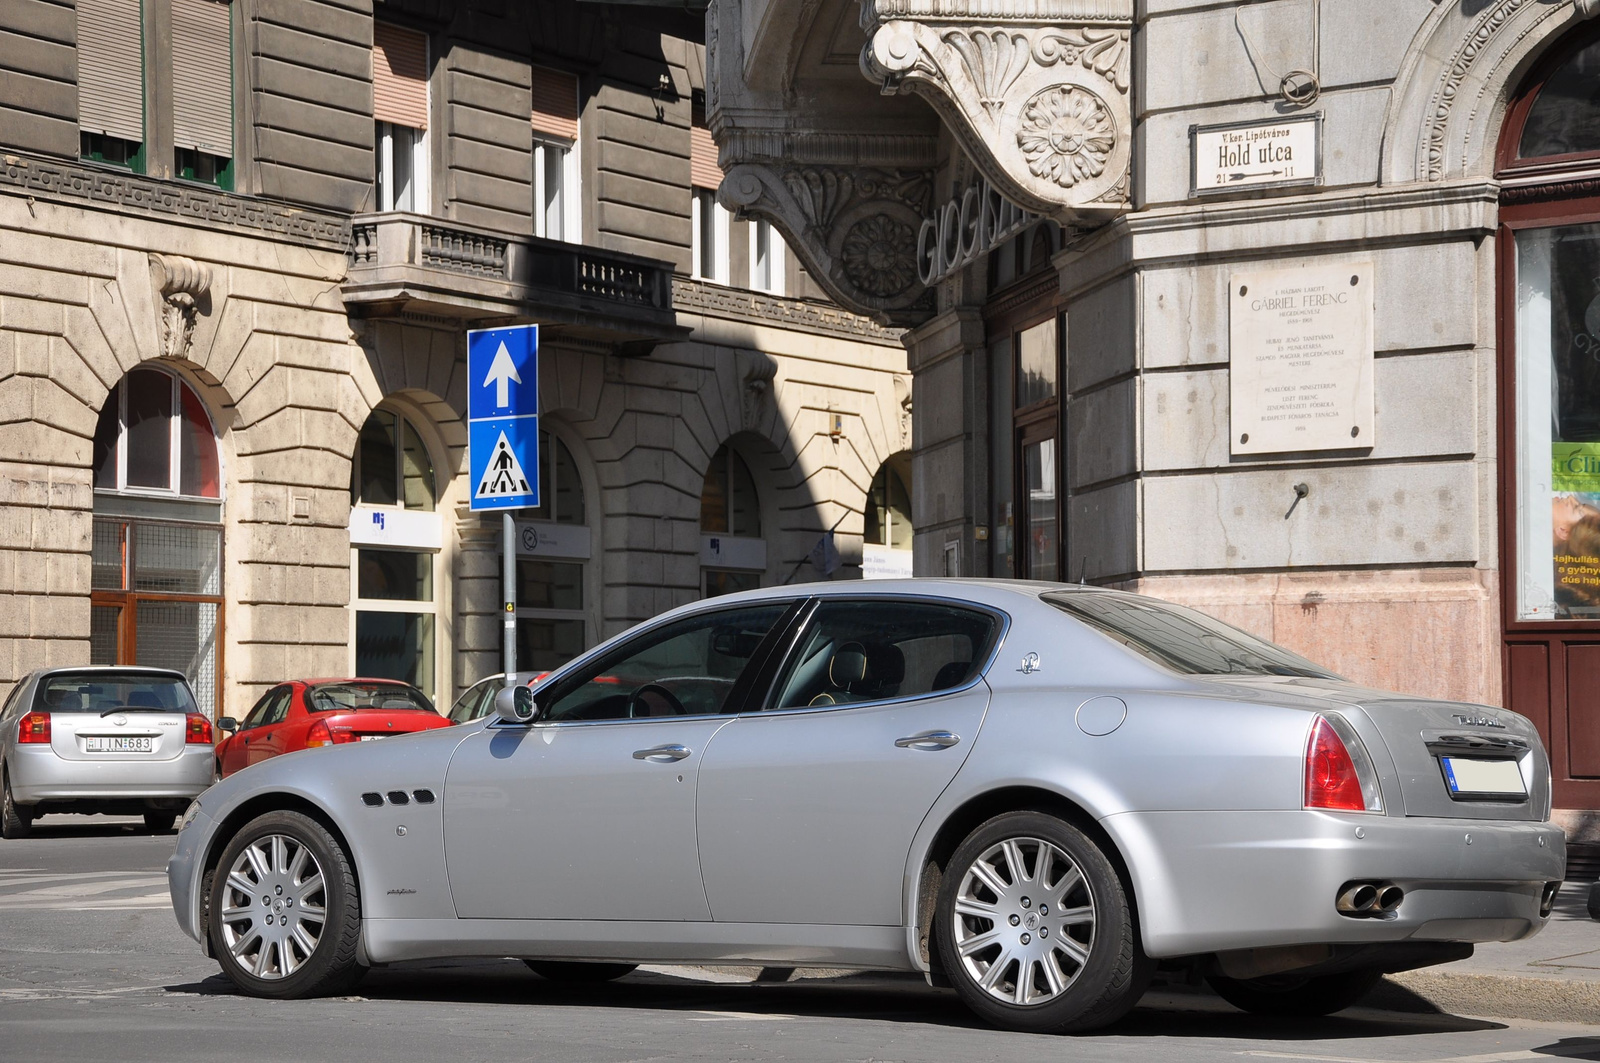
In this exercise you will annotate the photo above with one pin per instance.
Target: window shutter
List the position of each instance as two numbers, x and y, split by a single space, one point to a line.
202 76
703 169
111 68
399 76
555 103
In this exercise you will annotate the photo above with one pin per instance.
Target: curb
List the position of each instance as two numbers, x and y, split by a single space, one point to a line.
1498 996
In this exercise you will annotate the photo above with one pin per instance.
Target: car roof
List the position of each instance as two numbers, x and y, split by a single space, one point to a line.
957 588
110 669
326 681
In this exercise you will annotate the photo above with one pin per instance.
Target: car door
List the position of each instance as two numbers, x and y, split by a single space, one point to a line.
273 736
236 752
807 809
588 813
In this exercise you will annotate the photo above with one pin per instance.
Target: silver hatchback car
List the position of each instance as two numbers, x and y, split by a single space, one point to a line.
114 740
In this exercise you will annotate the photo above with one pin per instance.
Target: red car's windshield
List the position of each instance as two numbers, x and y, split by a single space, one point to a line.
357 697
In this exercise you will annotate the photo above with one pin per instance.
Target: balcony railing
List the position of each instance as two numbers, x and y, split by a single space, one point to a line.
410 261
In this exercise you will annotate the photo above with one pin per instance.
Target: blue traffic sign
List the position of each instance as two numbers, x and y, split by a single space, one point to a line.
503 416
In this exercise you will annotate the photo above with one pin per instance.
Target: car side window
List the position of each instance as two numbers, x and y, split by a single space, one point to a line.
466 707
13 698
687 668
855 651
274 700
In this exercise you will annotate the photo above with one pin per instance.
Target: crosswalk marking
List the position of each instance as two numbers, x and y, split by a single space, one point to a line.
82 891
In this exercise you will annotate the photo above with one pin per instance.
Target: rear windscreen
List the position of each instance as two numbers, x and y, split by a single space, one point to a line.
96 692
356 697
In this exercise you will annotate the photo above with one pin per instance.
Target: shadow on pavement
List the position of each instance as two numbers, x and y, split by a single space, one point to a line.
1572 1048
1162 1013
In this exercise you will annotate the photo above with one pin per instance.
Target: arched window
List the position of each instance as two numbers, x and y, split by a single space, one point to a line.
732 552
156 581
394 539
554 546
887 530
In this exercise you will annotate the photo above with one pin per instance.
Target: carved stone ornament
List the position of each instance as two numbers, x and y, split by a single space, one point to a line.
1042 109
182 283
855 227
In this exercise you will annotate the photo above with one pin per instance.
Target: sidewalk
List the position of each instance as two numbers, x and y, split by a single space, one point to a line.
1552 976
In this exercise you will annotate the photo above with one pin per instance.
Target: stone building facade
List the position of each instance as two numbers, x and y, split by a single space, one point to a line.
241 244
1052 197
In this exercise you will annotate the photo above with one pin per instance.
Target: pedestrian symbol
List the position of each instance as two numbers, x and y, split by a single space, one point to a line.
504 475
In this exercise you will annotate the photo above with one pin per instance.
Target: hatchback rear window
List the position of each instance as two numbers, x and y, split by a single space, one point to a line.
360 697
1182 639
101 692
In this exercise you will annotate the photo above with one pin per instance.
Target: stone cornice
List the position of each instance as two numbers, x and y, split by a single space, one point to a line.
773 311
86 185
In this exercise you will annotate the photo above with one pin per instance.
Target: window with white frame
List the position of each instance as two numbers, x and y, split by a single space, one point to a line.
555 155
766 257
401 163
709 250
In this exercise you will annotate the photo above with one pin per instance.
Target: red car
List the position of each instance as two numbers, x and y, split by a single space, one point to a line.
305 713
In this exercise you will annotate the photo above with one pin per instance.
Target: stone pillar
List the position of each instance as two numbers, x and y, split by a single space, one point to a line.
947 463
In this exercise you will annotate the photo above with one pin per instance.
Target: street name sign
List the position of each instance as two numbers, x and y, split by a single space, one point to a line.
1274 154
503 416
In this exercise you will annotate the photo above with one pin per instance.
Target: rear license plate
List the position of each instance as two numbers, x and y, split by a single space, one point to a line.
1494 778
119 744
369 738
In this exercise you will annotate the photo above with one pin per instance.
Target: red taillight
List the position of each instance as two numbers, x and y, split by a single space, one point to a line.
34 727
198 730
321 734
1331 779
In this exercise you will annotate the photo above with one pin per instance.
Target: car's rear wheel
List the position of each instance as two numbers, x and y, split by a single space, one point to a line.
580 973
159 822
285 916
15 820
1035 930
1299 996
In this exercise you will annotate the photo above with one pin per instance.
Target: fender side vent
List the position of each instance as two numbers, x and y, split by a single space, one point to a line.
424 797
399 797
372 800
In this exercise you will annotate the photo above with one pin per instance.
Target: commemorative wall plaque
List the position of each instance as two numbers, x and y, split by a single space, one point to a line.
1300 359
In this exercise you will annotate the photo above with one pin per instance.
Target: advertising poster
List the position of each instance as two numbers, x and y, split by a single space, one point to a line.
1575 526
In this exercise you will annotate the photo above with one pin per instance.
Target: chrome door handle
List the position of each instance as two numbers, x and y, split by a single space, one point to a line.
928 740
662 753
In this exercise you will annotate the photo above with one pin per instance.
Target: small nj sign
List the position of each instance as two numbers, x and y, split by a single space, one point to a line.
503 416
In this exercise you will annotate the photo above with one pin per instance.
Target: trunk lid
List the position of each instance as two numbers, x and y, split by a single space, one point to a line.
120 736
1412 739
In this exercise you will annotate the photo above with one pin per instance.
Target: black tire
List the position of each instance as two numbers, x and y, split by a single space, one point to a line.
331 966
1301 997
575 973
159 822
16 821
1110 979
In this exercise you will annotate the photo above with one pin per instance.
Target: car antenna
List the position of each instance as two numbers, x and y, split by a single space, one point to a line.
1083 572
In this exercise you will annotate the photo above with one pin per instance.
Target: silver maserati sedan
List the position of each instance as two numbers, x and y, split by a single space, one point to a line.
1034 793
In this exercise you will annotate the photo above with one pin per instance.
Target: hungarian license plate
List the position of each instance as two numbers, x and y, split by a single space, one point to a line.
370 738
119 744
1494 778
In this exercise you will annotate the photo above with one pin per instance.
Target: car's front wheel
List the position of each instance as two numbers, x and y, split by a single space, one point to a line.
1035 930
1299 996
579 973
15 821
285 916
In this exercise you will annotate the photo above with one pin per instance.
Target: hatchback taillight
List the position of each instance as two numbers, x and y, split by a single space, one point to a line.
321 734
198 730
1339 774
34 727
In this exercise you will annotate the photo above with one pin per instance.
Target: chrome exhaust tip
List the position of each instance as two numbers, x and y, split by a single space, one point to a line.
1357 899
1389 898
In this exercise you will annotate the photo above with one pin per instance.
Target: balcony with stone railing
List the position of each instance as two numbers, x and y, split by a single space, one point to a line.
415 263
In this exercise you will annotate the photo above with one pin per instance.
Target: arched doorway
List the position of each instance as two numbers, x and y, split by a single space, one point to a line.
733 554
156 583
886 525
1549 309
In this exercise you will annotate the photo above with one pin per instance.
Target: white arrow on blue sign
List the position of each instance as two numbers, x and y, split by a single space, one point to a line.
503 416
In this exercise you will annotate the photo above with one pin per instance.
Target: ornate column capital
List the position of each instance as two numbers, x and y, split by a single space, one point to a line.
182 283
1038 98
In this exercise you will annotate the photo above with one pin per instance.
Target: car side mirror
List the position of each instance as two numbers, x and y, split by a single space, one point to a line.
515 704
227 723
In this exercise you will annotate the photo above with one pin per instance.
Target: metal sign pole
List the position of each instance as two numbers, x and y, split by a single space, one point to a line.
508 582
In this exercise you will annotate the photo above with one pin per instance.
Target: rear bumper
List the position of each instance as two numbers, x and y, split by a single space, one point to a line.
38 775
1216 881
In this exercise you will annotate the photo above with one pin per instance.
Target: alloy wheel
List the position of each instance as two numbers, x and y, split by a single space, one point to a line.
1024 921
274 906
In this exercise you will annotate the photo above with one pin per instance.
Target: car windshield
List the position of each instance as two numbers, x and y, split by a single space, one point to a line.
360 697
1182 639
106 692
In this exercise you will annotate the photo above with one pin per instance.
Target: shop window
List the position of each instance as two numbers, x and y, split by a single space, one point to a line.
555 155
1026 479
887 528
395 637
400 108
733 555
157 545
554 550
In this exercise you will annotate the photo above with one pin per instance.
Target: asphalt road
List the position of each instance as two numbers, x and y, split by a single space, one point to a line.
92 967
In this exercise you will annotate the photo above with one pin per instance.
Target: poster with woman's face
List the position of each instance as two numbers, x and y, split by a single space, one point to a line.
1575 528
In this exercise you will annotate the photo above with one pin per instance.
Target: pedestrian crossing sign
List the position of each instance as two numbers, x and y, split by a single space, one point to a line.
503 476
498 448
